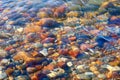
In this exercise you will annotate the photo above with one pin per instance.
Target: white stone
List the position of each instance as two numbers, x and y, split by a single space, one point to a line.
69 64
2 75
102 76
80 67
20 30
89 73
44 52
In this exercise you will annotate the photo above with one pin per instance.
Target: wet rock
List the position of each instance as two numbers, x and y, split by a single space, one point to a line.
32 28
59 12
73 14
3 53
15 45
21 67
46 45
9 71
44 52
102 76
1 68
2 75
11 42
5 35
48 22
80 2
31 36
90 74
12 51
31 69
43 14
74 51
22 77
20 30
63 39
82 76
4 61
24 56
16 73
72 22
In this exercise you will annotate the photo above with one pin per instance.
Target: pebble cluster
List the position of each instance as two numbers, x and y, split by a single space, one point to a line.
60 40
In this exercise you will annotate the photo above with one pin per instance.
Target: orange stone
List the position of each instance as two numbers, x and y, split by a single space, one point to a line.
99 62
8 48
113 18
32 28
34 53
24 56
109 75
74 51
94 31
39 67
43 35
60 64
49 67
34 77
63 51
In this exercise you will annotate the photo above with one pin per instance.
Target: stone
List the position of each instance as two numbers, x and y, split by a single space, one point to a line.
20 30
5 35
38 45
44 52
31 69
31 28
9 71
22 77
102 76
48 22
69 64
4 61
93 68
3 53
16 73
2 75
83 76
73 14
1 67
74 51
24 56
90 74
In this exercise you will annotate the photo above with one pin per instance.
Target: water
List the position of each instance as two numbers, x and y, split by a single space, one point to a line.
49 34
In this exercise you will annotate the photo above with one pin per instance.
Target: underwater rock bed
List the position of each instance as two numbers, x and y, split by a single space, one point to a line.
59 39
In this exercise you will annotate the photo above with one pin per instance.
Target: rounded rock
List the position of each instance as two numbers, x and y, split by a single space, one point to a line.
102 76
3 53
22 77
2 75
4 61
31 69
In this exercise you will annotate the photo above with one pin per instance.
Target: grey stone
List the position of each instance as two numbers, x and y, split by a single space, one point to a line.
2 75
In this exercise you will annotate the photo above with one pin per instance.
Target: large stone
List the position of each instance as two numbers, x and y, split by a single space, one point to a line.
48 22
